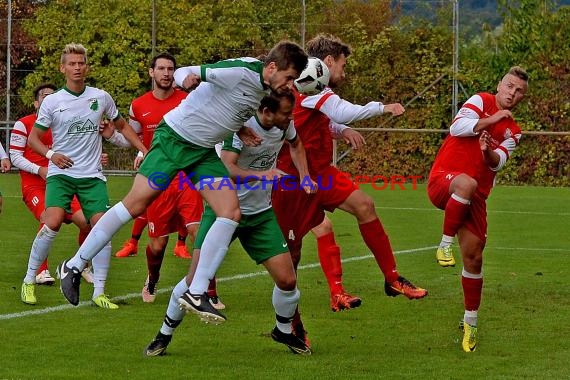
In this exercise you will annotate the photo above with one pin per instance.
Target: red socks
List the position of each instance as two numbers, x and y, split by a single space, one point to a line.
472 289
43 267
454 216
138 227
212 291
377 241
329 256
154 262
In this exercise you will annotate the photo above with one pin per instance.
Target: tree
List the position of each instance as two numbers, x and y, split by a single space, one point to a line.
24 53
117 35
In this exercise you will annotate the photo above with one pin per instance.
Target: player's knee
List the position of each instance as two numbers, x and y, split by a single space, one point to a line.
287 283
325 228
465 186
365 210
233 214
157 245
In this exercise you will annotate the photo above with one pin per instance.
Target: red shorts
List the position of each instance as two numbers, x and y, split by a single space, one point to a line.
298 212
35 199
438 193
177 207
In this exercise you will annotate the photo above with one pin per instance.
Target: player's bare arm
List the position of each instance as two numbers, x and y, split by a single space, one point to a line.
491 157
485 122
5 165
249 137
299 158
353 138
129 133
187 78
395 109
230 159
35 142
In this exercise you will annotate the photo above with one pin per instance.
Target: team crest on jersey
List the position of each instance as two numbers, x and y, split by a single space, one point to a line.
245 114
264 161
508 133
79 128
93 104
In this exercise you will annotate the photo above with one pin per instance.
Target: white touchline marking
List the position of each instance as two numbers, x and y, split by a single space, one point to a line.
434 209
169 290
50 309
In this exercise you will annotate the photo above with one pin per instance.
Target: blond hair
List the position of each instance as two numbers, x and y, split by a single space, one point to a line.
519 72
73 48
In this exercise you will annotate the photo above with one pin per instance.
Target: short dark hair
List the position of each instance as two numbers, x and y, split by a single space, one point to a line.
273 100
287 54
326 44
164 55
41 87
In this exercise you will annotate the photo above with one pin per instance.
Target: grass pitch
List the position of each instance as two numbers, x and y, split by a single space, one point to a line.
523 327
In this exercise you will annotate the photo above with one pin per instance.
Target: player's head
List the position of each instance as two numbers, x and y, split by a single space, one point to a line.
161 70
282 65
276 110
333 52
73 62
41 91
512 88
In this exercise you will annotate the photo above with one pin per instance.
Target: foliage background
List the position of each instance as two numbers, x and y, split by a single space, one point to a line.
399 49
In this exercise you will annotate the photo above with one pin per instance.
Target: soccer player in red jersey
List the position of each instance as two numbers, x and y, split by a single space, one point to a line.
179 207
482 137
298 213
145 113
33 170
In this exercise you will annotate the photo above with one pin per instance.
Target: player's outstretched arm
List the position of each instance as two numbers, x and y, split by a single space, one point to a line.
299 157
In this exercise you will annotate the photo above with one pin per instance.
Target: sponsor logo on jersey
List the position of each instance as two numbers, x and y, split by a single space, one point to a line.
264 161
79 127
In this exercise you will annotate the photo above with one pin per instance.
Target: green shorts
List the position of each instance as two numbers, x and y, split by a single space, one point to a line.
91 193
259 234
170 153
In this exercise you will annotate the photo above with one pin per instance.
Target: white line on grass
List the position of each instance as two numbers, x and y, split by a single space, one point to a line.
427 209
245 276
169 290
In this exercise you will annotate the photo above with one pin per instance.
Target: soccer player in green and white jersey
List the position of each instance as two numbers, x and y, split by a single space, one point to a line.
253 170
73 115
228 95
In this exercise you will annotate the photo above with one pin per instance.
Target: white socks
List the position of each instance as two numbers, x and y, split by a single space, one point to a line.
174 315
101 263
212 253
446 241
40 250
285 303
100 235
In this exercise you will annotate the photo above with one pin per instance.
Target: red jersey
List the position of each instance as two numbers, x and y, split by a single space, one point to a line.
146 112
19 143
463 154
313 129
